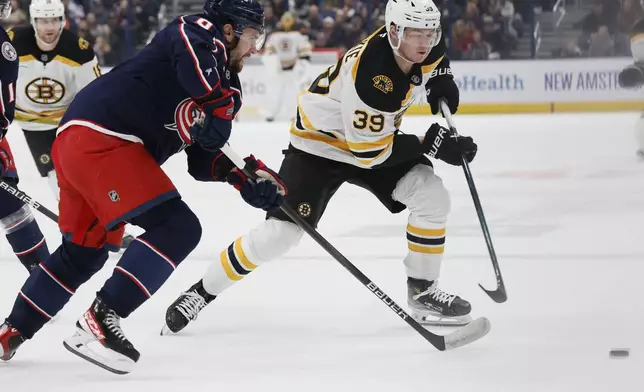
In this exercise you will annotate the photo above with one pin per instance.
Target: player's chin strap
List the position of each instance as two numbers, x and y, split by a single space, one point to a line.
499 295
468 334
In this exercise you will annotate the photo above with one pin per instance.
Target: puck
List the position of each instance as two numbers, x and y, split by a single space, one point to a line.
619 353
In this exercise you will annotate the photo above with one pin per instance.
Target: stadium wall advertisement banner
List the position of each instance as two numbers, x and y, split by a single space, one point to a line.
508 86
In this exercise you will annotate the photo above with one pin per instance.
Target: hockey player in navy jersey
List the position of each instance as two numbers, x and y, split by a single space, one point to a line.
16 218
180 92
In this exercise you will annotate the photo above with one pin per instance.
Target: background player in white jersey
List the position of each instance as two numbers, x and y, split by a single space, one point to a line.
633 77
16 219
288 55
54 65
346 130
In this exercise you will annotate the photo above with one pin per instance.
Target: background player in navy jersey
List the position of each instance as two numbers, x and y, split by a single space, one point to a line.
16 218
180 92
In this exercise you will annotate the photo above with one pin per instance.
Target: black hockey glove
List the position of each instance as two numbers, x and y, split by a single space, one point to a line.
212 132
631 76
442 86
267 193
442 144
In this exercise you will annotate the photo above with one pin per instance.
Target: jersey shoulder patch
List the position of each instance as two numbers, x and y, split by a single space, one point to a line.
23 39
74 48
379 82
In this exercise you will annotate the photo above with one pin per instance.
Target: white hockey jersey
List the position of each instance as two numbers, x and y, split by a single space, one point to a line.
351 111
49 81
288 47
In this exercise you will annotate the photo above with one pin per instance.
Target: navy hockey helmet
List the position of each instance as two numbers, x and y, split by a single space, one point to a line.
241 14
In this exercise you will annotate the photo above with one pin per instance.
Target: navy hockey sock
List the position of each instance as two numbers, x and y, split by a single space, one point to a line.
172 231
50 286
22 232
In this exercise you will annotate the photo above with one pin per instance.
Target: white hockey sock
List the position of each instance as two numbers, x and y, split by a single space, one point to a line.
426 243
271 239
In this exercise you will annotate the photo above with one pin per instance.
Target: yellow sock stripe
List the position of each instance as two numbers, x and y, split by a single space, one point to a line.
232 275
241 256
423 249
426 232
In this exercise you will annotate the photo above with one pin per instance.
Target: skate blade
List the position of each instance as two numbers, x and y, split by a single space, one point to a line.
165 330
87 347
432 320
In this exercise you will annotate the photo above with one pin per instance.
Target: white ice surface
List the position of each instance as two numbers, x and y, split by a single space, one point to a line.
564 198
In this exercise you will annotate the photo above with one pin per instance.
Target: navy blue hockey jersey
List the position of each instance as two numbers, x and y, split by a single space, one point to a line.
155 97
8 75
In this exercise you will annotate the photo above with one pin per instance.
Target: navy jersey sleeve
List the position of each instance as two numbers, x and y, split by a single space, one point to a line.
8 77
196 54
206 165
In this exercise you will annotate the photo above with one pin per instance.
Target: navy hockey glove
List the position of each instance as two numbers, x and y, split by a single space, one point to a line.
441 85
449 147
211 132
631 76
269 190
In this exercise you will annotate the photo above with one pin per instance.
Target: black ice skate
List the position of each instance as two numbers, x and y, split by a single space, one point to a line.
186 308
432 306
99 339
10 340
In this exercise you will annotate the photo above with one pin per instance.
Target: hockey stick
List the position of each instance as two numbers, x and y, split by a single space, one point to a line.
499 295
22 196
468 334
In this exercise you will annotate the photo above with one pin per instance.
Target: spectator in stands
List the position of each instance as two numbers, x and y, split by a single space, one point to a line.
591 22
629 13
571 50
461 38
601 43
18 16
104 52
314 19
477 49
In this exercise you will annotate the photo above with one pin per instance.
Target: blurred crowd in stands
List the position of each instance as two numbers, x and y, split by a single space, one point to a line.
473 29
104 23
604 30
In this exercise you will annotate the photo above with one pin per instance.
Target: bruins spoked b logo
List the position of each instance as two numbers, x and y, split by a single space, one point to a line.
304 209
45 91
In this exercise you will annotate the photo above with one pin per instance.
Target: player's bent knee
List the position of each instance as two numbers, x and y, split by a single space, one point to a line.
273 238
171 222
424 193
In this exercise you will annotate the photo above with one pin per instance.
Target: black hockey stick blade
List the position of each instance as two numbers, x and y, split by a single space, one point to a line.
468 334
499 295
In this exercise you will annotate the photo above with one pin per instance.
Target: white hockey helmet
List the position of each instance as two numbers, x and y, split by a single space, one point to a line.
415 14
46 9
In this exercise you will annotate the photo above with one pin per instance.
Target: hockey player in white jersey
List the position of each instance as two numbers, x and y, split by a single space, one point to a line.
54 65
288 56
633 77
347 130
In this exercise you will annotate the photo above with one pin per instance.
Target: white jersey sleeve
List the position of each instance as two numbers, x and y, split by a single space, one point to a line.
86 73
